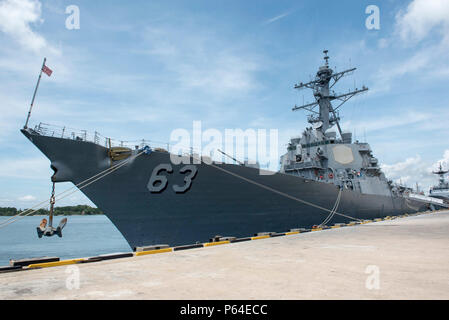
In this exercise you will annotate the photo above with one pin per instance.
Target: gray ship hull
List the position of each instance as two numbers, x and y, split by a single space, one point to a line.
219 202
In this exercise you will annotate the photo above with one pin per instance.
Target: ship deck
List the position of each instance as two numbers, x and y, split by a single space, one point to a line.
404 258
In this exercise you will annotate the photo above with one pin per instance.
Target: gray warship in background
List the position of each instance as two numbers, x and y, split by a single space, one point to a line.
324 178
441 190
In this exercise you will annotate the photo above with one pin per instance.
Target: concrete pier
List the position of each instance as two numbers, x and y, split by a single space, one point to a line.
405 258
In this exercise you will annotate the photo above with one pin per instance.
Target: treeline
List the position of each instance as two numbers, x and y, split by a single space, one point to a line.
58 211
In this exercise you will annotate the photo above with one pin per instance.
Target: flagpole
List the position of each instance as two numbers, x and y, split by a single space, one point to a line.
34 95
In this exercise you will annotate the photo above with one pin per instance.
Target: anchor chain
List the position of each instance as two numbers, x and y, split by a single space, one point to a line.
49 231
52 203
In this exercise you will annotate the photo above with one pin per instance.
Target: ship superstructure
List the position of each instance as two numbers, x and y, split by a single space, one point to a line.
325 152
441 190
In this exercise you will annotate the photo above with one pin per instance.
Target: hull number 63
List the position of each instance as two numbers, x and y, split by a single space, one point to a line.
159 182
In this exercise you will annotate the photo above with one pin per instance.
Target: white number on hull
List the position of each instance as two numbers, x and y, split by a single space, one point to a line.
187 179
156 177
159 183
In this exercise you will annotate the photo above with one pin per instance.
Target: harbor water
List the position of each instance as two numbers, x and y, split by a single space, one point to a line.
83 236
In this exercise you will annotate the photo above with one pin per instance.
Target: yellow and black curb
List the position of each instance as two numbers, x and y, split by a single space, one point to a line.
217 243
142 253
188 246
109 256
55 264
24 266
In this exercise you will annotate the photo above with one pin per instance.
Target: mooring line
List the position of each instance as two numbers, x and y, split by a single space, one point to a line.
331 215
98 176
280 192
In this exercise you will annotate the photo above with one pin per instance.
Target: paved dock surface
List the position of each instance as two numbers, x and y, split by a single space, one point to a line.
406 258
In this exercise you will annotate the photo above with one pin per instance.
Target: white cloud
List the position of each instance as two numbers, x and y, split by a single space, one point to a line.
27 198
382 43
414 170
201 59
16 19
398 119
55 7
425 64
423 30
409 172
413 64
276 18
226 72
35 168
421 17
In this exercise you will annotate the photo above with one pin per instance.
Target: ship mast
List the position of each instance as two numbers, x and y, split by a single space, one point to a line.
325 79
441 173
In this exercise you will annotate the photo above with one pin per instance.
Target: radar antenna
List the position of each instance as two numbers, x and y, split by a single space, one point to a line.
324 80
440 170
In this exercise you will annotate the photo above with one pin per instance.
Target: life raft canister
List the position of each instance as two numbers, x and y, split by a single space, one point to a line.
119 153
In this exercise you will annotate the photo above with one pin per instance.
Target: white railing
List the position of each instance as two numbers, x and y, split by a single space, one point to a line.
95 137
84 135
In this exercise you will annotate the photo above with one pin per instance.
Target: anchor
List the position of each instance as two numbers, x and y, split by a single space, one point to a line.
49 230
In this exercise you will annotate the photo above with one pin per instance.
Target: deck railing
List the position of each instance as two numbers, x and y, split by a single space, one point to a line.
49 130
64 132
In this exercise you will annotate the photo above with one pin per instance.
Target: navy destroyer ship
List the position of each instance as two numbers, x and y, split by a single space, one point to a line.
441 190
324 177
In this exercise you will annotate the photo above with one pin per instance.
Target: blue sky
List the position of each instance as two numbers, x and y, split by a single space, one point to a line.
141 69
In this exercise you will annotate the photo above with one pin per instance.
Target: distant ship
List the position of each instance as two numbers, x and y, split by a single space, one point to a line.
441 190
324 178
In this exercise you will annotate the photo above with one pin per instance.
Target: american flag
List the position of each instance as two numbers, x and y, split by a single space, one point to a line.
47 70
